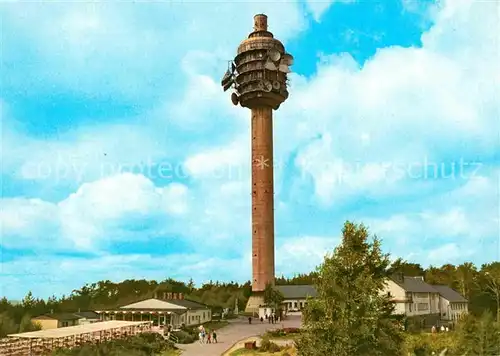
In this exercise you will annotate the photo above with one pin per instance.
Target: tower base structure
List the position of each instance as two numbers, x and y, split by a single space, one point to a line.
255 301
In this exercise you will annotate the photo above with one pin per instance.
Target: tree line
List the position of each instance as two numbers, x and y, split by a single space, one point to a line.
481 286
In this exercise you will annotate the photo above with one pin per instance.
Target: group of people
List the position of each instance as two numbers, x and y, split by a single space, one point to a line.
271 319
443 329
210 336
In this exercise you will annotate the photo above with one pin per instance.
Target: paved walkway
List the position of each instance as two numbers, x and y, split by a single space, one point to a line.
237 330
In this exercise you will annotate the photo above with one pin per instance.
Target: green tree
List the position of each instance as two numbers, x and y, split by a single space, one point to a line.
273 297
351 315
27 325
7 325
479 336
466 274
28 301
491 273
407 268
191 285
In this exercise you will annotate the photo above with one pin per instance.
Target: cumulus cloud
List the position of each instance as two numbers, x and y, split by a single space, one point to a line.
447 227
124 49
93 216
303 254
403 107
318 8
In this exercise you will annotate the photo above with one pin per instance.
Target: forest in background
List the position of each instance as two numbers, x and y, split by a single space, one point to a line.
481 286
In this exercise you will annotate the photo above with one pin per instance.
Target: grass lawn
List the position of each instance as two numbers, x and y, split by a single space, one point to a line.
245 352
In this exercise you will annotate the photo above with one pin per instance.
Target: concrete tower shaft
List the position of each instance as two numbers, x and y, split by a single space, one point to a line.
258 76
262 199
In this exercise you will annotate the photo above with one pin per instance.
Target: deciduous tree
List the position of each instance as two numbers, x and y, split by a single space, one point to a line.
351 315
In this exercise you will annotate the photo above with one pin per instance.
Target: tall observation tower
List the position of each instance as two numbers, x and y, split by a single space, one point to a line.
258 78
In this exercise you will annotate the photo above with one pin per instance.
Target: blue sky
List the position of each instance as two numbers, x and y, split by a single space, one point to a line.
123 158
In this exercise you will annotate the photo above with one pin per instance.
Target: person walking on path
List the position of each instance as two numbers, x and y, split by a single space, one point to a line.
214 336
209 337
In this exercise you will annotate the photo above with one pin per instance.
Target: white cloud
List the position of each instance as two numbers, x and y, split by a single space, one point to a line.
92 216
447 227
127 49
41 275
302 254
413 104
30 223
228 162
319 7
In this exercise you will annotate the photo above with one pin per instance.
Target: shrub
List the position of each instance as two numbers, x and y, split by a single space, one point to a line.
185 337
274 347
425 344
276 333
267 345
145 344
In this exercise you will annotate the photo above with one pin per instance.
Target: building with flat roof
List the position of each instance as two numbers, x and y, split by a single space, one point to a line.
43 342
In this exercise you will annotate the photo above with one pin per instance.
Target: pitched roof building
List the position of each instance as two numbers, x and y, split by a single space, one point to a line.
59 320
453 306
174 312
414 297
295 296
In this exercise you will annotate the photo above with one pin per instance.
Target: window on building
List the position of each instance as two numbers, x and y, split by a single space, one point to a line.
65 323
295 304
203 315
423 306
410 305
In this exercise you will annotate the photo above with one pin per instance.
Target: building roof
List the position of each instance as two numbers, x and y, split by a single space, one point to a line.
414 284
58 316
297 291
189 304
77 330
87 314
171 305
449 294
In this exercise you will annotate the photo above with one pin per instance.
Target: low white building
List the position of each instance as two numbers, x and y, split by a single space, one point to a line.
87 317
295 296
175 312
452 305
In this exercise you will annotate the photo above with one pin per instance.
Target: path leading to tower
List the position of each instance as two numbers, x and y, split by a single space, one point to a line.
237 330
